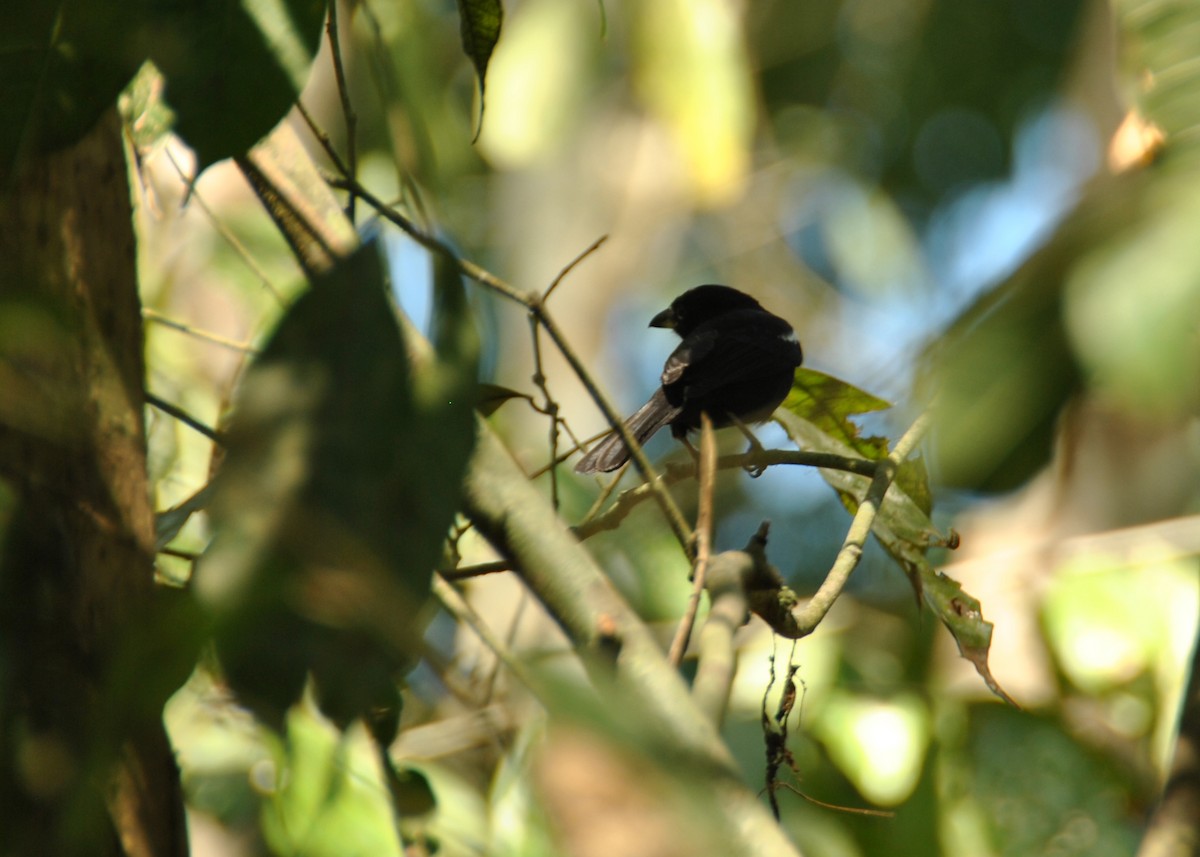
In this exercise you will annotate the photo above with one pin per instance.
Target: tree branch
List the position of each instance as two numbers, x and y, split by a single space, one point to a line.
625 503
860 528
522 527
704 520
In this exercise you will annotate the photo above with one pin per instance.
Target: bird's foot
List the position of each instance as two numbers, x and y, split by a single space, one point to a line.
755 470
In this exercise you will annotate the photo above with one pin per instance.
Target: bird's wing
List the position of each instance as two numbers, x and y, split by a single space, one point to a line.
705 363
687 355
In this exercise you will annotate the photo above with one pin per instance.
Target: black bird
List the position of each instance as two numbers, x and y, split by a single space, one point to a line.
736 363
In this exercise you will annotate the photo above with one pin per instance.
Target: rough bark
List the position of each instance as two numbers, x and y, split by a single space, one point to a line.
90 769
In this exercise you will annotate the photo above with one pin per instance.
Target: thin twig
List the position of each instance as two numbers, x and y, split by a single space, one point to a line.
454 604
595 245
190 556
510 639
848 557
466 572
550 406
348 114
226 234
207 336
605 492
704 521
611 518
670 510
184 417
323 138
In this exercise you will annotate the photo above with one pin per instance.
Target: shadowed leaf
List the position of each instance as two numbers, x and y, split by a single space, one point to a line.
342 475
828 403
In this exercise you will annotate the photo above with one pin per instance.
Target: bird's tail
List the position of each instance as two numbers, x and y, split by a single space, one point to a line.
611 453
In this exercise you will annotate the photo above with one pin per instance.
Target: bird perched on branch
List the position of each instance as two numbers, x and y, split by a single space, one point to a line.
735 363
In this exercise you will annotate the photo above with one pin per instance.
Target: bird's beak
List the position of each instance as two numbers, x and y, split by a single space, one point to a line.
666 318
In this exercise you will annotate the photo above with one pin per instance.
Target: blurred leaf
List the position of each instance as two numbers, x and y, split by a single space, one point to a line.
342 474
168 524
146 114
1107 622
880 744
1056 796
1073 313
480 22
1002 374
233 67
65 63
1162 45
62 65
328 800
897 95
409 788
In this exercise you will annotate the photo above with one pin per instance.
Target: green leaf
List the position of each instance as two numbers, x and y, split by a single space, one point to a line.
828 403
480 22
342 474
962 615
233 67
62 65
331 803
816 416
1045 777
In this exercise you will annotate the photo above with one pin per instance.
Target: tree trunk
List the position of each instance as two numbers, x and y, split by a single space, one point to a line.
86 765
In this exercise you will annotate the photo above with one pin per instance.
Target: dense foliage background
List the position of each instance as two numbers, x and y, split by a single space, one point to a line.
983 211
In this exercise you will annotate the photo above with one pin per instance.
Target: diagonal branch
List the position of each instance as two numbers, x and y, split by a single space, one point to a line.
807 619
536 306
704 521
617 646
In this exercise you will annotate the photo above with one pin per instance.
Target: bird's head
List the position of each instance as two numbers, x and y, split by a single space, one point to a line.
701 304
